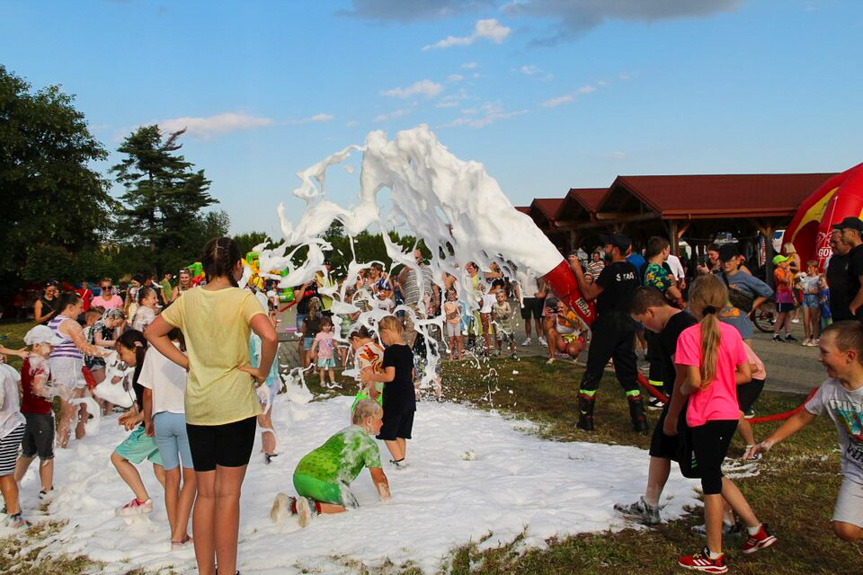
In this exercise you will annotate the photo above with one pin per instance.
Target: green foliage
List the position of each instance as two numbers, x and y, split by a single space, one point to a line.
51 197
162 214
250 240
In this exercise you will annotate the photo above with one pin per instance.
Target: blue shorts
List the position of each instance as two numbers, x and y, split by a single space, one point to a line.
138 447
307 343
301 317
810 300
172 439
327 362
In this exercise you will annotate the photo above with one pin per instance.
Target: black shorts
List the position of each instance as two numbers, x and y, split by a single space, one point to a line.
396 424
747 394
710 444
783 307
228 445
38 436
532 307
662 445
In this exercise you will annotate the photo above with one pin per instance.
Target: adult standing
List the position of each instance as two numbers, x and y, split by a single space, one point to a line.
613 332
596 264
86 295
531 292
712 265
221 403
184 284
107 299
167 290
838 280
66 362
851 229
46 306
677 270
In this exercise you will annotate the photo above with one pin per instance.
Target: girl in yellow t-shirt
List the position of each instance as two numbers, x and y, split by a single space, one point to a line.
221 403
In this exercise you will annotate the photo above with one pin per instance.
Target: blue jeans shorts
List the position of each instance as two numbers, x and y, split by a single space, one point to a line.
172 439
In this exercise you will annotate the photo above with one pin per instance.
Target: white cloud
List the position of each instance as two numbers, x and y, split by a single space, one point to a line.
616 155
393 115
489 29
317 118
212 126
572 18
454 78
489 113
587 90
452 100
535 72
425 88
470 65
352 123
559 101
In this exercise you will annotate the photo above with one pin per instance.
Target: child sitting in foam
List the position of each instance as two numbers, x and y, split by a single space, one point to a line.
369 355
323 477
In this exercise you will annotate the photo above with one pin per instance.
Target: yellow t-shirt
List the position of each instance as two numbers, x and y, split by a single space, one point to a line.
216 328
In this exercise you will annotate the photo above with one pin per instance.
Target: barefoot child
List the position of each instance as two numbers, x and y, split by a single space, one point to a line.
266 396
399 398
322 478
504 318
453 311
323 348
36 408
841 398
369 357
715 360
12 426
132 348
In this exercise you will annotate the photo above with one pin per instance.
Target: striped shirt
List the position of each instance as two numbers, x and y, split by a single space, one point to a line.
68 347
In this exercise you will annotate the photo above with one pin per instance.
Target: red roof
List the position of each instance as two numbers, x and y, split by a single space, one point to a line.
588 198
548 208
715 195
523 209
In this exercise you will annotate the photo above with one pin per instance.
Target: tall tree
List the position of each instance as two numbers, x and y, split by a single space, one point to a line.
164 198
51 197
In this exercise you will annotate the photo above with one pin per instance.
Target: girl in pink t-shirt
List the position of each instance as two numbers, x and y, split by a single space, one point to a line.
716 363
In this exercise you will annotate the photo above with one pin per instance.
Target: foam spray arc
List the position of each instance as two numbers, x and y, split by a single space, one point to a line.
453 205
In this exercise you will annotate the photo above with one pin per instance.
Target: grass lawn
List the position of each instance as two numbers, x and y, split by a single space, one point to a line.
795 490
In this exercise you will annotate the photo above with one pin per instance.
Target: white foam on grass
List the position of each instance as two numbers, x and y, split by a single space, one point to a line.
513 482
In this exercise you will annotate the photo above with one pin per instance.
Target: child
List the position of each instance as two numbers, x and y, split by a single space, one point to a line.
783 279
504 320
369 356
322 478
399 398
266 395
841 398
452 309
563 331
310 328
103 333
324 349
810 285
12 428
148 305
652 309
36 408
747 395
715 362
164 384
139 445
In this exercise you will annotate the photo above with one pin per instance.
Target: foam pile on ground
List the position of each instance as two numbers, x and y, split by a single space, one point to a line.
511 481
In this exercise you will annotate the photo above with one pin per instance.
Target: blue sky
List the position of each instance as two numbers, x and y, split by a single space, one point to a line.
548 94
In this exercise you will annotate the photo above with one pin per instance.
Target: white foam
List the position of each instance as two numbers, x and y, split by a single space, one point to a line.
509 482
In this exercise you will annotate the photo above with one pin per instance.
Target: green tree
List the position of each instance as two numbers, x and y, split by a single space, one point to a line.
51 197
163 202
250 240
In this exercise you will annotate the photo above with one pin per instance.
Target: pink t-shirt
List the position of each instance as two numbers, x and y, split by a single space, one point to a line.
326 341
116 302
719 400
759 372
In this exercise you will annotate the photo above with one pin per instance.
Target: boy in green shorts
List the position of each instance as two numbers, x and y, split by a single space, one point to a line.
322 478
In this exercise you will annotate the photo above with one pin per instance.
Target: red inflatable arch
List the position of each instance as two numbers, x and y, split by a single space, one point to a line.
837 198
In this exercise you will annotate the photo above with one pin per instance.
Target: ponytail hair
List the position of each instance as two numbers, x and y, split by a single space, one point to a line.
143 292
134 340
219 259
708 295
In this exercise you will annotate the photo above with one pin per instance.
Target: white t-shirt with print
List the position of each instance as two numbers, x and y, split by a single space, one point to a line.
845 408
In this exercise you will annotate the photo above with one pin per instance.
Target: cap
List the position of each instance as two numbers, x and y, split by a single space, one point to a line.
41 334
849 222
779 259
620 241
728 251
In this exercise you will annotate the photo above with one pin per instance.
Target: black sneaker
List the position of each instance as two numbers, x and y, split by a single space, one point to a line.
654 404
777 338
789 337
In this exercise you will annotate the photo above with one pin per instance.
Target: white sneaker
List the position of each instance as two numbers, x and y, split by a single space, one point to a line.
795 321
526 342
135 507
542 341
281 509
304 511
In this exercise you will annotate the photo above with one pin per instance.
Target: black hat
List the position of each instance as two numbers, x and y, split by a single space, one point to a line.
728 251
849 222
620 241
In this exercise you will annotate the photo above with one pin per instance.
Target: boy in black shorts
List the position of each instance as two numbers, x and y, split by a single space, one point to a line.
650 307
399 397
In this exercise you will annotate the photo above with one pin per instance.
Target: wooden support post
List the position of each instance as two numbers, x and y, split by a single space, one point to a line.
767 231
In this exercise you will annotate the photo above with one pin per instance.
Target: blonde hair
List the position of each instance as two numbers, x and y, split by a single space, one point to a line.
366 408
708 295
391 323
789 248
314 308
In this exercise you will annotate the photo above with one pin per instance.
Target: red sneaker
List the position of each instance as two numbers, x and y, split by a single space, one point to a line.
760 540
702 562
